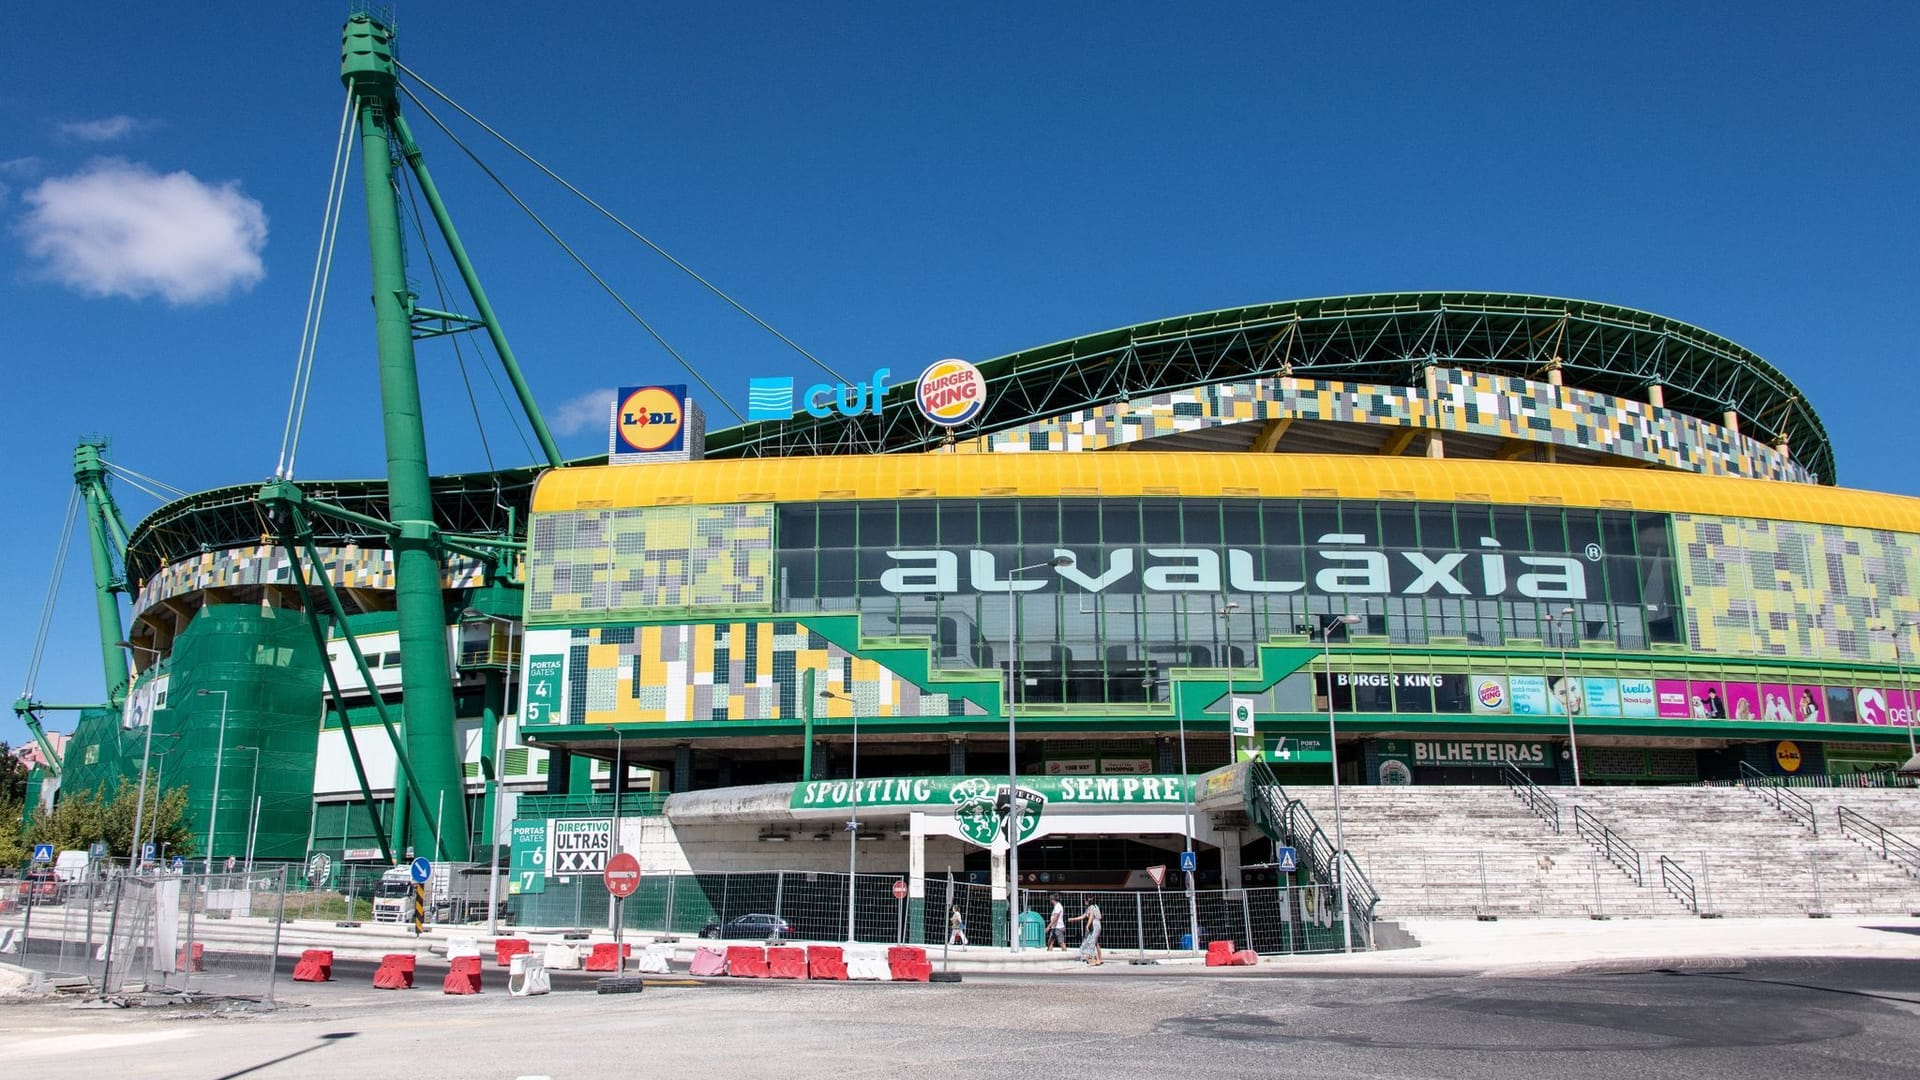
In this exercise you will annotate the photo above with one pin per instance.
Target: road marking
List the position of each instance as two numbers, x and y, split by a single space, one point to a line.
91 1042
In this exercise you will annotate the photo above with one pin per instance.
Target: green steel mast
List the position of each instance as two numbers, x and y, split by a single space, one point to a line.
367 68
106 535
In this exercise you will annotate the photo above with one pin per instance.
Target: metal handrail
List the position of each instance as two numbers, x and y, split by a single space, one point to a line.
1675 879
1784 799
1893 847
1536 797
1288 821
1609 843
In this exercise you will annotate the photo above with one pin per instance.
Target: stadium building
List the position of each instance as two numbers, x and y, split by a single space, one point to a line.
1411 538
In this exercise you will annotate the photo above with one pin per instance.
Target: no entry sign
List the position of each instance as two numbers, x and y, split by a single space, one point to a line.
622 875
899 890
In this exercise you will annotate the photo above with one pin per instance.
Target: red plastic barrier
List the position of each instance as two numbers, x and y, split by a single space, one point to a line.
748 961
908 963
506 948
463 976
1219 953
786 962
192 957
1245 958
316 965
826 962
395 973
606 956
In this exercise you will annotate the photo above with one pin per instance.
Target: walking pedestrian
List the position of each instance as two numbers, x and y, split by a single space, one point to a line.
1090 945
956 926
1057 926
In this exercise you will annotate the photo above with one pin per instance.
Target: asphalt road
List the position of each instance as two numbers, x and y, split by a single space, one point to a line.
1858 1019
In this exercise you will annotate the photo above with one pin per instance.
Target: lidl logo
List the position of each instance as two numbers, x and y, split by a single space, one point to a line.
772 398
1787 756
951 392
650 419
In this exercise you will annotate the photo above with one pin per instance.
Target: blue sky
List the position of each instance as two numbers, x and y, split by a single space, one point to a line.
890 184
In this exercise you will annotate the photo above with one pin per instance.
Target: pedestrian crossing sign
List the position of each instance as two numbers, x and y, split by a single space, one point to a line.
1287 862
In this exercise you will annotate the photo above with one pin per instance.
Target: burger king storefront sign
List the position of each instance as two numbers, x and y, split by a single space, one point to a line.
951 392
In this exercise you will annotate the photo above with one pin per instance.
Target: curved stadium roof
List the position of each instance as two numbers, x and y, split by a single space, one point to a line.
1377 337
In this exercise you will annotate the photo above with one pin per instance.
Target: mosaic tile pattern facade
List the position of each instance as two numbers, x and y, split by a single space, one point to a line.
635 561
714 672
1471 402
1783 588
350 567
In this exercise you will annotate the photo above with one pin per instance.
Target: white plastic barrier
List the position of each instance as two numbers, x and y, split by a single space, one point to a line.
563 957
8 942
654 961
527 976
462 946
869 968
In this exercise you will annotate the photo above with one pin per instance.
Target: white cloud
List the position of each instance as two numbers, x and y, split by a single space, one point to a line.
105 129
583 413
118 228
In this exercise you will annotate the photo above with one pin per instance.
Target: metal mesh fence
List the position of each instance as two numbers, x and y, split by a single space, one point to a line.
812 906
207 935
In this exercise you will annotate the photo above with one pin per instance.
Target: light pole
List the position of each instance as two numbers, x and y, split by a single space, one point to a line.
1327 623
1193 910
220 751
1906 695
253 804
1568 698
493 785
146 754
853 820
1013 765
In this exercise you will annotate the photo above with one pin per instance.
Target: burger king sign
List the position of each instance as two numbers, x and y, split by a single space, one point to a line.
951 392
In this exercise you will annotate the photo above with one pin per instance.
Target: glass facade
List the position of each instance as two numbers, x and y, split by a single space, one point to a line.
1152 584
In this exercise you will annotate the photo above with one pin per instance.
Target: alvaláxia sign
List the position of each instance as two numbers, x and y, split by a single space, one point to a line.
1344 563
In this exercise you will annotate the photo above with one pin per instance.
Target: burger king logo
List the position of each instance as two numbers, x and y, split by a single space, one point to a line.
951 392
1492 695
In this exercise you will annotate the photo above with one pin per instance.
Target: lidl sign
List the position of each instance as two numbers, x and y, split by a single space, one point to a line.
650 420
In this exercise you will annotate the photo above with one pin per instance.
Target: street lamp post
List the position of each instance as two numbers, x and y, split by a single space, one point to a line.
1193 910
493 785
146 755
253 804
1568 698
219 752
1014 801
853 819
1906 694
1327 623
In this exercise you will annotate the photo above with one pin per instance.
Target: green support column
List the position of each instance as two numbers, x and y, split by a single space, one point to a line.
493 706
367 67
91 476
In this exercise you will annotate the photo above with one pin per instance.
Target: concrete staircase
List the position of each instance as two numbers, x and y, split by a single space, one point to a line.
1424 849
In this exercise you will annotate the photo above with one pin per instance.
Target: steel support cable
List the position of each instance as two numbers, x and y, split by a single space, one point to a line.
611 216
53 593
130 476
575 256
144 489
301 361
440 289
326 276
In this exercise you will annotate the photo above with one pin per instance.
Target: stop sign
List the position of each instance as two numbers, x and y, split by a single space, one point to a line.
622 875
899 890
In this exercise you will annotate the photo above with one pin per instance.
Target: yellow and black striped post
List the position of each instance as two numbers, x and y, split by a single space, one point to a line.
419 909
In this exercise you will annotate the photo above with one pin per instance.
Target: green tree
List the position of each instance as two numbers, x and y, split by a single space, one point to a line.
81 817
13 846
13 777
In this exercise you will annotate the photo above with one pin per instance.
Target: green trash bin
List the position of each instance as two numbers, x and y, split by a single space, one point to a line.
1033 930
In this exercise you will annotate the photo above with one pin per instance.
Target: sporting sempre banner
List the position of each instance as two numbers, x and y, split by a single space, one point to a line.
943 791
